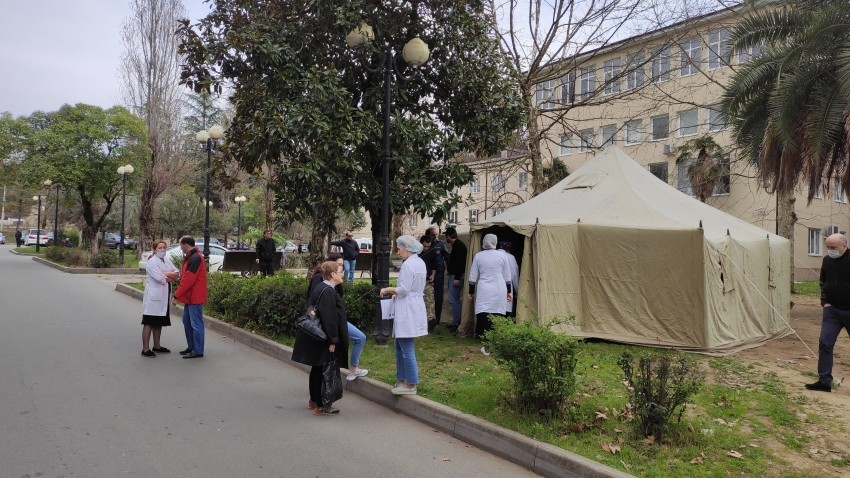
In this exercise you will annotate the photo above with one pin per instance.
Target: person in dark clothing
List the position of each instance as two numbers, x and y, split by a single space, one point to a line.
266 249
429 257
331 312
442 254
350 251
456 268
18 238
835 300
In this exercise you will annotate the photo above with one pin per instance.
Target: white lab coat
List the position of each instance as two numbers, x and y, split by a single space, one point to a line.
410 316
157 290
490 273
514 267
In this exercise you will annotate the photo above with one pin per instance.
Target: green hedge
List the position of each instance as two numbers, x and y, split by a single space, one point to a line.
269 305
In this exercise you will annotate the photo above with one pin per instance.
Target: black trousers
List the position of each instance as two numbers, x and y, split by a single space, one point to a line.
482 324
316 385
267 268
439 279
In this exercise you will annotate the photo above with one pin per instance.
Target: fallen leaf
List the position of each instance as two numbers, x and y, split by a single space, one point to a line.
594 366
601 416
617 430
650 439
690 428
626 466
734 454
697 460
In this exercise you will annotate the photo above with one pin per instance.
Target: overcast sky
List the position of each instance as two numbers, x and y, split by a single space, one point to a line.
54 52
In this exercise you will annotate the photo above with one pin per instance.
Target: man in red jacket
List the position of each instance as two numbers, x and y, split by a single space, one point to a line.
192 292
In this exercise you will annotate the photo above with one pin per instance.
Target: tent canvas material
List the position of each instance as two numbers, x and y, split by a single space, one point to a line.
625 257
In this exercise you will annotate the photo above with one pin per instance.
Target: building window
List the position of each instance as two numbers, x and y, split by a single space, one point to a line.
815 240
498 210
586 137
498 182
473 216
412 220
611 69
690 56
609 135
818 193
633 133
688 122
475 185
453 216
839 195
831 229
660 127
659 170
543 94
749 53
718 48
716 119
683 180
634 65
523 180
566 144
568 88
588 82
723 186
661 65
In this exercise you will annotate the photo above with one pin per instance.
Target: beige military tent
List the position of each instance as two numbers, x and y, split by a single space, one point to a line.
634 260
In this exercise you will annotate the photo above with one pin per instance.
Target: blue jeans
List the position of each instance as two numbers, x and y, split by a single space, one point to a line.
348 266
454 298
406 369
357 339
833 321
193 325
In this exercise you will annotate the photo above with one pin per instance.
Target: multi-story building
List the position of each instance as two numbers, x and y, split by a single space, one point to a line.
649 95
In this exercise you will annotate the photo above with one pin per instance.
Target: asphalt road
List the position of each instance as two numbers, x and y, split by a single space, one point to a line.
77 400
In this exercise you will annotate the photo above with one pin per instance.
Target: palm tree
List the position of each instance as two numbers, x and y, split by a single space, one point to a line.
707 169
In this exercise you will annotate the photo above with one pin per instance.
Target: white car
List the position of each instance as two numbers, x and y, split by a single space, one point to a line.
143 261
216 255
30 237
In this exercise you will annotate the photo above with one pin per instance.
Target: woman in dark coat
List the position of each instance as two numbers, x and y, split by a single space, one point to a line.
331 312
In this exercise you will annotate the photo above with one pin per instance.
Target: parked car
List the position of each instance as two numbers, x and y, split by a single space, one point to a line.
216 255
112 239
2 238
365 245
289 247
143 261
213 241
32 236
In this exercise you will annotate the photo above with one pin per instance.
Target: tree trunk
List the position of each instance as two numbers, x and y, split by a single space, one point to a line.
787 217
147 214
534 144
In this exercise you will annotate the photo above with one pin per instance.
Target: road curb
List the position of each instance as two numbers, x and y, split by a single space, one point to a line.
86 270
542 458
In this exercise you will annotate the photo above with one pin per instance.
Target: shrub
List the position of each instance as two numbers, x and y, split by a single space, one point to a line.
69 256
104 258
541 362
73 236
659 389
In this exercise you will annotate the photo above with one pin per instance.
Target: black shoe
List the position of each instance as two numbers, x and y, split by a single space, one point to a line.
185 352
453 329
161 350
192 355
148 353
432 324
819 387
326 411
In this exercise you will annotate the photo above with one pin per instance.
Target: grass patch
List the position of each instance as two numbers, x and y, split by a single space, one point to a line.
809 288
136 285
30 250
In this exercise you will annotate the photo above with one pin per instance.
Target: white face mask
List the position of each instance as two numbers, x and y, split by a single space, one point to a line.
160 254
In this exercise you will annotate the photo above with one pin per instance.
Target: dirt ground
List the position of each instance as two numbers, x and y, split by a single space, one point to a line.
789 358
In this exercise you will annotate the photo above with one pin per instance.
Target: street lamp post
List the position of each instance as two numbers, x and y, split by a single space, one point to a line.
47 184
239 200
123 171
38 223
415 53
208 139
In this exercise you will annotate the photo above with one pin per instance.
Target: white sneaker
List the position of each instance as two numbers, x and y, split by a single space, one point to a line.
404 390
484 351
360 372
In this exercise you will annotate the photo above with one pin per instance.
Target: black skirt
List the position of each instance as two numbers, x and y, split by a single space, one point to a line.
159 320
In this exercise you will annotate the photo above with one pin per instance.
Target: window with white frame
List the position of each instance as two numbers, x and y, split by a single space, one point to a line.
611 71
473 216
633 131
568 88
453 216
498 210
716 119
634 65
475 185
839 195
659 170
683 179
688 122
498 182
412 220
815 241
818 193
690 56
566 144
586 138
718 48
660 127
749 53
543 94
609 135
723 186
830 230
661 65
523 180
588 82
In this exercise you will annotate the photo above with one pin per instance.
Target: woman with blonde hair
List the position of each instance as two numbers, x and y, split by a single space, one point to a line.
157 299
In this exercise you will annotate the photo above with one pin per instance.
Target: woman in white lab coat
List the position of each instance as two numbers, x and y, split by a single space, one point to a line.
411 319
489 285
157 299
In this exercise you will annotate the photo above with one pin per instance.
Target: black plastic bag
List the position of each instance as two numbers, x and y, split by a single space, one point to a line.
331 382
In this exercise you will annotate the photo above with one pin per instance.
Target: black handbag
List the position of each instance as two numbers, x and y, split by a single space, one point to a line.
331 382
310 324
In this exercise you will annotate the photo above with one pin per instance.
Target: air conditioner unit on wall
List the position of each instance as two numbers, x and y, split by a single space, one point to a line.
669 149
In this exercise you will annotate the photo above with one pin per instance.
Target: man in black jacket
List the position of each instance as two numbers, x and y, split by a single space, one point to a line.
442 253
456 267
266 249
835 300
350 251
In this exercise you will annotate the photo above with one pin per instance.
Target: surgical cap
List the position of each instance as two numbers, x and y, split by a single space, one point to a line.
409 243
489 241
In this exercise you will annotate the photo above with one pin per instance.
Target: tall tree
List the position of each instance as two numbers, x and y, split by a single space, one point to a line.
81 147
308 106
706 168
150 70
